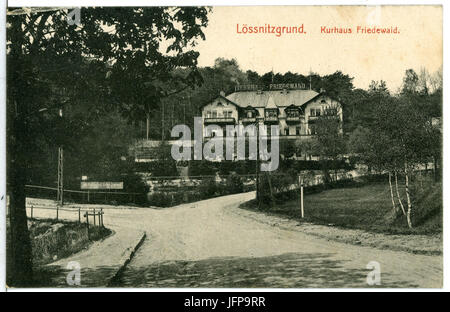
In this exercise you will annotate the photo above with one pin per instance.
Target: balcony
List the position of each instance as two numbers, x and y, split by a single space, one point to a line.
219 120
248 120
293 119
271 119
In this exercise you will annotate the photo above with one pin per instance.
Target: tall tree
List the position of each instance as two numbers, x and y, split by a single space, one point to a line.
330 143
142 46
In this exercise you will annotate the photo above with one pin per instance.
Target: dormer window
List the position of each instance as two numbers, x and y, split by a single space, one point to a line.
292 111
271 113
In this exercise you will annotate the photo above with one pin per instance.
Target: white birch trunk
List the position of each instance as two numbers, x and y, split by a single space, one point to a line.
408 213
398 194
392 193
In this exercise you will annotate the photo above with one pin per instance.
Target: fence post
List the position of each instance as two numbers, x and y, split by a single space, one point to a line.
79 215
87 223
31 211
57 211
300 182
101 211
94 216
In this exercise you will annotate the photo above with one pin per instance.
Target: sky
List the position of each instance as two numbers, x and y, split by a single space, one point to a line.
365 57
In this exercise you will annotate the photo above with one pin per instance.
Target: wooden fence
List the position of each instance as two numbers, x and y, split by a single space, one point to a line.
85 197
88 216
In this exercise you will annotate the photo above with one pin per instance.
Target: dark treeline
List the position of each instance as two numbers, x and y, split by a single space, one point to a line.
224 76
104 133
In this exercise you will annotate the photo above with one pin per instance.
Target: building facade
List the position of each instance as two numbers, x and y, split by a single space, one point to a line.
294 110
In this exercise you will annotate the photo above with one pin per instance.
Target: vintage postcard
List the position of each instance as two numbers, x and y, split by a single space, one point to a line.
224 147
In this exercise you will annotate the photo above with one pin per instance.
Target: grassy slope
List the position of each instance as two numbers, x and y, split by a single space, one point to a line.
368 208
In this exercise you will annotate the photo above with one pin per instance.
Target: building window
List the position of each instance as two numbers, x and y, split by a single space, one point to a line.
331 111
312 129
314 112
298 130
271 113
249 114
286 131
214 114
293 113
227 114
208 114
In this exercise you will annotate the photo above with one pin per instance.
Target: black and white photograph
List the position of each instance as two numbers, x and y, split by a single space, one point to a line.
223 147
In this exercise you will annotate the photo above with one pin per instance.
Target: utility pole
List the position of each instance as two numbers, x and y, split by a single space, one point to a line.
310 74
162 121
148 124
258 197
171 116
60 189
184 111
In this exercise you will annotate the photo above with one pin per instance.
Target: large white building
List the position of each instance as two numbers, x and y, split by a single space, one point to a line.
290 106
293 108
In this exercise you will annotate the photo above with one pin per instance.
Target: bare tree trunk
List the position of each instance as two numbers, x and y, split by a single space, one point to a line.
398 194
408 213
19 272
19 261
392 194
271 190
435 169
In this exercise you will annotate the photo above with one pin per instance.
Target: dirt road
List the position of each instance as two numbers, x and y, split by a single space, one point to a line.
211 243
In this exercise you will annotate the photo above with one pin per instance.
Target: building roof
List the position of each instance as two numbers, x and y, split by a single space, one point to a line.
220 96
271 103
278 97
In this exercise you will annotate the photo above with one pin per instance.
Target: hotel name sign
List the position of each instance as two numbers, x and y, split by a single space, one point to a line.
272 86
94 185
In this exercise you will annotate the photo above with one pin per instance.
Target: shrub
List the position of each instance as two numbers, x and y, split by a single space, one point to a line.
201 168
207 188
234 184
160 199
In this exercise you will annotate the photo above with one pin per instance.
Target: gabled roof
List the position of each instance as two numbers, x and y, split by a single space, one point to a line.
280 98
292 106
221 97
271 104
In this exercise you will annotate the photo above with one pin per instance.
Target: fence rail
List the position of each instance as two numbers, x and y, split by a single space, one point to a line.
84 197
96 214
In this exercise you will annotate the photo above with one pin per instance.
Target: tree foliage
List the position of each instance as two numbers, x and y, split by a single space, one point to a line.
117 58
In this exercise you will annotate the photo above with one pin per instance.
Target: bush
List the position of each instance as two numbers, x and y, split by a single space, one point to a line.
160 199
245 167
201 168
299 165
234 184
207 188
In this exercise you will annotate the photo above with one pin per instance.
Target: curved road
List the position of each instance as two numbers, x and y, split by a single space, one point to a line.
211 244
